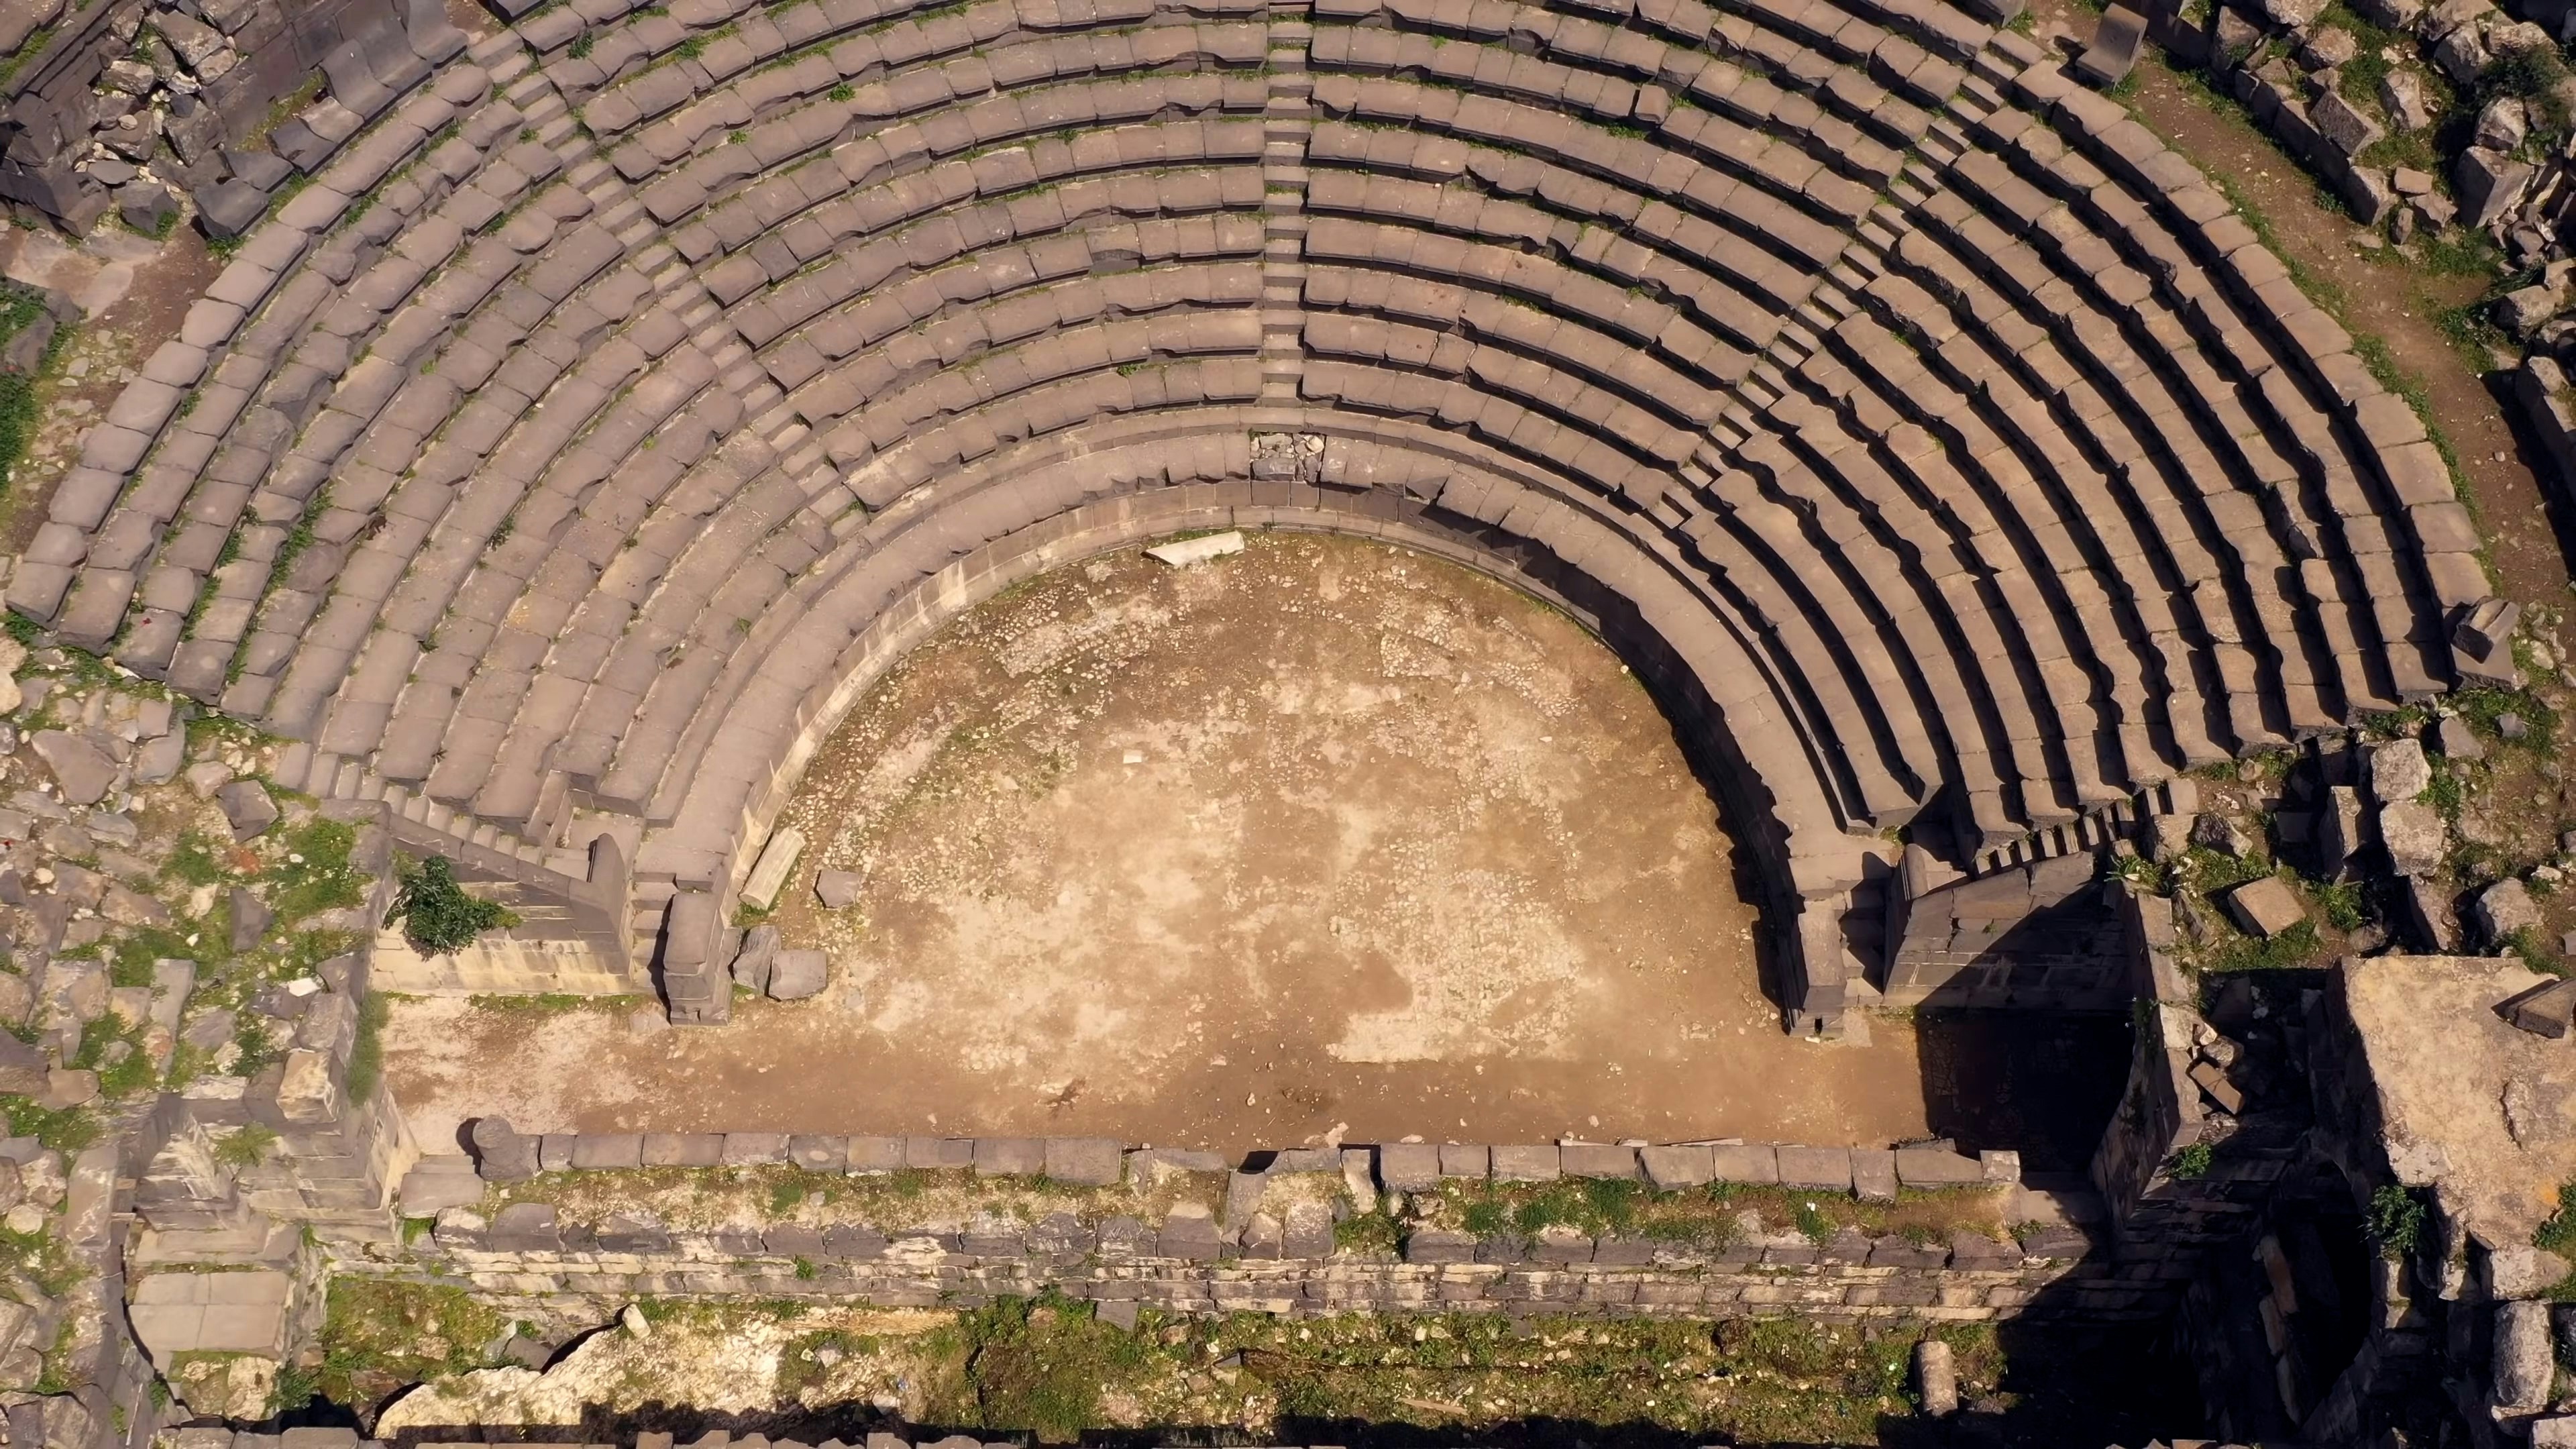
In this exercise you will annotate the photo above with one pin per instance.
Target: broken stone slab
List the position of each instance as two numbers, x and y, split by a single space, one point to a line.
2213 831
2399 771
2414 836
81 768
251 918
769 873
796 975
2265 907
2524 1366
2525 310
2331 47
2213 1083
753 964
147 207
2338 830
22 1067
2548 1011
199 46
836 889
2456 740
2503 909
247 808
2503 125
2519 1270
158 759
2291 14
21 19
1197 550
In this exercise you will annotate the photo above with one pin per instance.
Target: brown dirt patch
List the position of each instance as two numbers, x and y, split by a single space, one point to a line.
136 292
1323 834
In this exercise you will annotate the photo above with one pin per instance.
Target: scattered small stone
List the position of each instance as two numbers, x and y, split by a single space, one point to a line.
836 888
2213 831
2511 725
207 776
631 1318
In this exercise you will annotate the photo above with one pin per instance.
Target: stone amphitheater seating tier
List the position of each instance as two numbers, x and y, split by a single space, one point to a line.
566 459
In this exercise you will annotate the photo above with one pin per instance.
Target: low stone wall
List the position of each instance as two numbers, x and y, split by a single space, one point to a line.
1842 1279
1289 1261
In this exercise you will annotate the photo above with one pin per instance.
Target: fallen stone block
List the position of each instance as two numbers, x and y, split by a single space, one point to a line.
2265 907
1197 550
2548 1011
796 975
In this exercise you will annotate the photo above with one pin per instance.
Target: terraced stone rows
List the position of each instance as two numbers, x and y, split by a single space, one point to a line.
1961 451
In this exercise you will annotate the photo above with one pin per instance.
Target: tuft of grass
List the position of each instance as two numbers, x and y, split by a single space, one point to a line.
2396 1220
380 1335
315 874
246 1146
2191 1164
367 1053
1371 1232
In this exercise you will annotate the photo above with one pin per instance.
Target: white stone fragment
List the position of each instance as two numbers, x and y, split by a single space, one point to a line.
1198 550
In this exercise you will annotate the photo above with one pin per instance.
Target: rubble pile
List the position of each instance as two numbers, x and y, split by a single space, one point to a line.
145 106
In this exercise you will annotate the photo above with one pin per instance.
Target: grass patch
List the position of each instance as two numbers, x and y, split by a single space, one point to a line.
314 875
552 1003
63 1129
20 307
1707 1217
367 1053
246 1146
2298 945
378 1336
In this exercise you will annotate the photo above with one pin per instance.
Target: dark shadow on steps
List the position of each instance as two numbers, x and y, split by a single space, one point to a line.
2041 1083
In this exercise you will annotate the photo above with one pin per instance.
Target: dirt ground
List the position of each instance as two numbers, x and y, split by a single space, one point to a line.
1321 835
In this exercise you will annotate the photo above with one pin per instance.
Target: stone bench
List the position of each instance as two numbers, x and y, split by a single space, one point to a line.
2128 226
1739 300
2252 539
2060 501
1884 535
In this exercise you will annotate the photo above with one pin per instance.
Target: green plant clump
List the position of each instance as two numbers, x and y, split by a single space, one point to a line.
2557 1234
2192 1163
2396 1220
437 915
244 1146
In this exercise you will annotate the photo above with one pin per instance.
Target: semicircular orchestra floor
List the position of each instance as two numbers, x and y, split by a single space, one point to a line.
1325 833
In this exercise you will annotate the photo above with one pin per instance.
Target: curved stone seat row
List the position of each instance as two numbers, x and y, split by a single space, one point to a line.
1925 427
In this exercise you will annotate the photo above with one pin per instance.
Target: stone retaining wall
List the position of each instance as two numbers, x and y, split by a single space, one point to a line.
1837 1280
1197 1260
